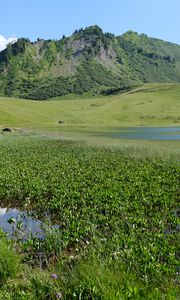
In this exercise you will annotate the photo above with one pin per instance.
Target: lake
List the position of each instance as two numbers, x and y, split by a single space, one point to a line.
145 133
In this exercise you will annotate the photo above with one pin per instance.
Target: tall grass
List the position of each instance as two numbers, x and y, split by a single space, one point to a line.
9 262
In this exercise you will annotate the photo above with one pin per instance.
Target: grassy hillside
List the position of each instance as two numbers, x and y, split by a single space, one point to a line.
151 104
87 61
148 56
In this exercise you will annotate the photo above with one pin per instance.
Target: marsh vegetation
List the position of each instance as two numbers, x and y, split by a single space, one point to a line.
118 216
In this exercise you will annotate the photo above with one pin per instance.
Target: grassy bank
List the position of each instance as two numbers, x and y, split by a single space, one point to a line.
118 214
87 119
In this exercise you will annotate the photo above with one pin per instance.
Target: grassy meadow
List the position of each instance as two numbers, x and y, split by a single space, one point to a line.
149 105
116 207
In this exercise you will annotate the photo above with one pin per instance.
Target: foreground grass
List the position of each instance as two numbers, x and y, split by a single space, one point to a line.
118 213
85 279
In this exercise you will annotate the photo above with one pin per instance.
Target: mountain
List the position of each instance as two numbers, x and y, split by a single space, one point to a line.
89 61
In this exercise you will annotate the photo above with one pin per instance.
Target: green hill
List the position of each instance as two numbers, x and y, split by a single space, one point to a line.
89 61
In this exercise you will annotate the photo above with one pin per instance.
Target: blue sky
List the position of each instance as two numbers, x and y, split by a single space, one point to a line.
53 18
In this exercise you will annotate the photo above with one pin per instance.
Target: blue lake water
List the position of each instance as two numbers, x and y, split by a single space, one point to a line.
145 133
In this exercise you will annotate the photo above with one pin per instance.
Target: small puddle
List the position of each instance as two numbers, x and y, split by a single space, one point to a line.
172 231
21 224
175 229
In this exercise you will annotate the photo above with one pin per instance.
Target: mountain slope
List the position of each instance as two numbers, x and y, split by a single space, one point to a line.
89 61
